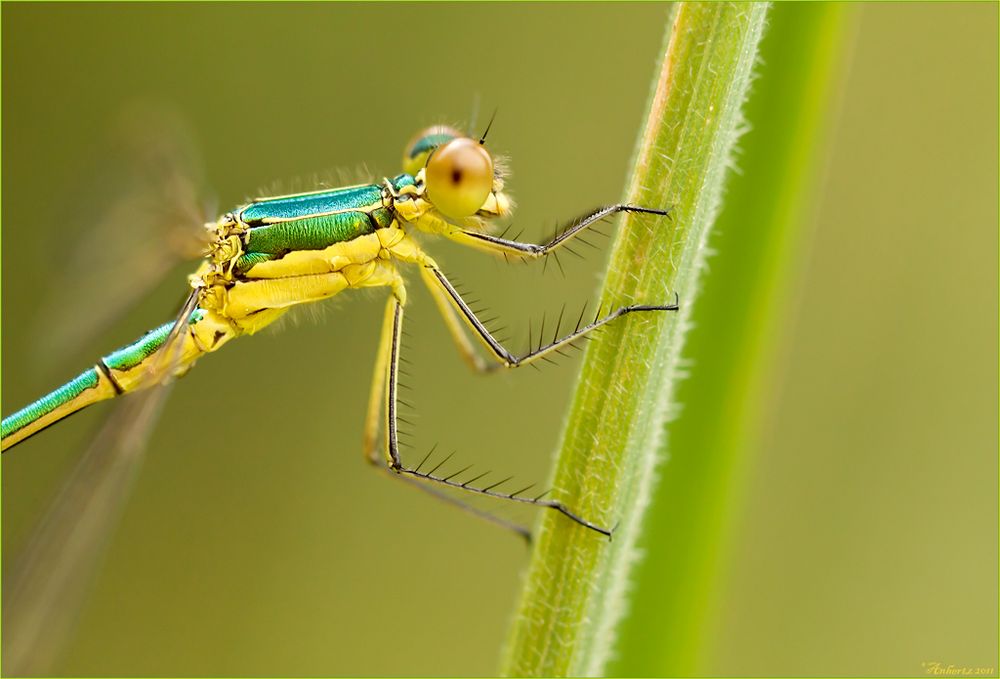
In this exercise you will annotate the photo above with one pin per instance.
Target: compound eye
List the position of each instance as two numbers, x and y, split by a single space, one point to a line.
459 177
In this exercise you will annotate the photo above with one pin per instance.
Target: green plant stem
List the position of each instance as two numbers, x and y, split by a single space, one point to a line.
759 241
574 591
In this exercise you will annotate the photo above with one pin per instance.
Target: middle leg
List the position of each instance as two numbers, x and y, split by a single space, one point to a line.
453 308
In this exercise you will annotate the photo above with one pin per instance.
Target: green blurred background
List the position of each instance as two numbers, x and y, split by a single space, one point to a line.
257 541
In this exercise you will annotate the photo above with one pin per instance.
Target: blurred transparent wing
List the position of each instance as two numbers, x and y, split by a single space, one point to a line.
143 215
46 585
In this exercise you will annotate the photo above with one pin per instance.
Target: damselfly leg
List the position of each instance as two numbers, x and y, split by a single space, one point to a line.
383 402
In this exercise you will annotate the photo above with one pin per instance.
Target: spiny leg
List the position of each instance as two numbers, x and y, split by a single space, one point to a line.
394 460
453 322
388 348
508 247
451 304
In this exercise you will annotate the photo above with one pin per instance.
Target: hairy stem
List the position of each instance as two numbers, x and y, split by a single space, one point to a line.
574 592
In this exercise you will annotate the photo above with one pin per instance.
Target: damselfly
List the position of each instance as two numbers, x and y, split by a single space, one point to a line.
279 252
261 260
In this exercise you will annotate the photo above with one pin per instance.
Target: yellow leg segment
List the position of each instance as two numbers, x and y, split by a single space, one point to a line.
377 397
383 403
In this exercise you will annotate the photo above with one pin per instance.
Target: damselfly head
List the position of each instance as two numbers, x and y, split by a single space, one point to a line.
460 176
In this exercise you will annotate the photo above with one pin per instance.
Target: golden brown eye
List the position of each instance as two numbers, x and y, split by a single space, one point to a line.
459 177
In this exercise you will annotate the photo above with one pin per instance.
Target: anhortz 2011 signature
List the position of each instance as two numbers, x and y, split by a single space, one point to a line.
940 669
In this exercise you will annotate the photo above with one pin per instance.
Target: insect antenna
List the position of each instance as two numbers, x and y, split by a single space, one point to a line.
482 139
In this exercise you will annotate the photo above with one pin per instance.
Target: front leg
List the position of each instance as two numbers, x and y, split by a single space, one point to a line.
503 246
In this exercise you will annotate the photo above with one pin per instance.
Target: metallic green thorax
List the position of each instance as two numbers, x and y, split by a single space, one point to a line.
298 206
313 221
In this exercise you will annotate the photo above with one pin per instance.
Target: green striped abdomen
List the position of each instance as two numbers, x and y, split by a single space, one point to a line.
121 371
79 387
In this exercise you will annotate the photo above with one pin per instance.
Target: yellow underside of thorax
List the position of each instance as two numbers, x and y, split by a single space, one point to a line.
265 292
